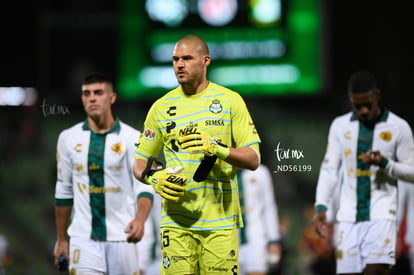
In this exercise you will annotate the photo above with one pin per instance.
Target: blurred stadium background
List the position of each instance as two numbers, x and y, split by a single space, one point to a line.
47 46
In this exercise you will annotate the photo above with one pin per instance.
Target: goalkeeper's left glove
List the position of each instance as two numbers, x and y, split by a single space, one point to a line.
201 142
166 182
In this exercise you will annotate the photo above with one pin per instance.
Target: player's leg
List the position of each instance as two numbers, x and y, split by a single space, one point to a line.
220 252
253 258
348 255
180 250
243 256
86 257
122 258
378 246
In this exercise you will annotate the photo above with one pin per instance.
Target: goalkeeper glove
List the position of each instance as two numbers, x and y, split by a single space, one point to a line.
165 182
168 184
201 142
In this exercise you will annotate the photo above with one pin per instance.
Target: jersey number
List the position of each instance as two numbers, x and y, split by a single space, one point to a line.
165 238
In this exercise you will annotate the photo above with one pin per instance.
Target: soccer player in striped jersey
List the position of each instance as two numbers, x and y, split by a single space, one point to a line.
205 131
96 193
374 148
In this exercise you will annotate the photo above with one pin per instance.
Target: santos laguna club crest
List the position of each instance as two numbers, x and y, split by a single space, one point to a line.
215 107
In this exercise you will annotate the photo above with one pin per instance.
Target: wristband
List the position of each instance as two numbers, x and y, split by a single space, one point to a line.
383 163
153 165
222 152
321 207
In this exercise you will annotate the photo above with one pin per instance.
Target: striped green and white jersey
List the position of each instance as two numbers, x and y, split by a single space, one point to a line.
367 192
94 174
214 203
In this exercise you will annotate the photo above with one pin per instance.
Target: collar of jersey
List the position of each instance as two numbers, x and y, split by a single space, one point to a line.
115 128
196 95
382 118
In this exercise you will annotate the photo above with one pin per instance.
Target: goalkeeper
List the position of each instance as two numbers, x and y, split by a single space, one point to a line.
205 131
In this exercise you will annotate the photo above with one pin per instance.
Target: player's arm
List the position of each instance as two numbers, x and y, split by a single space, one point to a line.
136 228
63 198
166 181
139 167
201 142
327 180
402 167
244 157
62 215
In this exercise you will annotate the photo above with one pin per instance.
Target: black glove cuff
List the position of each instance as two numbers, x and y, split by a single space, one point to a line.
153 165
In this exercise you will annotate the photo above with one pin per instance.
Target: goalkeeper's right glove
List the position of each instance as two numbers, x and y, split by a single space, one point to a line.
167 183
201 142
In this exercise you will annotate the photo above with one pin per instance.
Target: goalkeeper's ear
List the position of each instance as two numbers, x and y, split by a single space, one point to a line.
153 165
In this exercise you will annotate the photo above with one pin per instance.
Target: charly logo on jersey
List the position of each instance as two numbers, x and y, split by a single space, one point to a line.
118 148
171 111
387 136
216 107
78 148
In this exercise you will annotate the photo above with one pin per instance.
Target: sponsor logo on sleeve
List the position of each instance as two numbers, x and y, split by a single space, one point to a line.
149 134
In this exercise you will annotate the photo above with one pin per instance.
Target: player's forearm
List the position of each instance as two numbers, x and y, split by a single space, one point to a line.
139 167
144 208
62 214
328 178
244 157
400 171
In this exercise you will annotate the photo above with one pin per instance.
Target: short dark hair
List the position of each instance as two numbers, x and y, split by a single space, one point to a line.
362 82
97 77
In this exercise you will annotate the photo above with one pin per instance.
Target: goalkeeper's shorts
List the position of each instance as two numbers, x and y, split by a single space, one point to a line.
199 252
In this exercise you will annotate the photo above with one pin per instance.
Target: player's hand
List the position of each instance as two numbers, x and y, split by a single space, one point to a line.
61 249
321 227
371 157
201 142
168 183
135 231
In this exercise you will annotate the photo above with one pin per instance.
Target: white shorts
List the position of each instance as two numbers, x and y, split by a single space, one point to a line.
253 258
95 257
362 243
154 268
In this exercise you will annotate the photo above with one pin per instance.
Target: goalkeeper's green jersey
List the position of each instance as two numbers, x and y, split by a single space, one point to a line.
214 203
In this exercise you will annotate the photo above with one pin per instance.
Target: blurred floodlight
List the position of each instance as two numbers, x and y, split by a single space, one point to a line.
18 96
266 11
170 12
217 13
163 76
158 76
260 74
229 50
